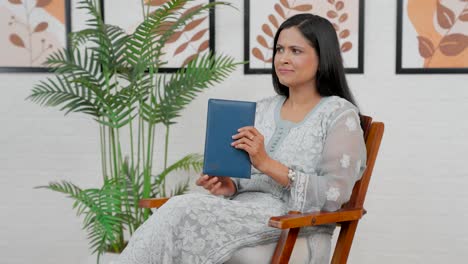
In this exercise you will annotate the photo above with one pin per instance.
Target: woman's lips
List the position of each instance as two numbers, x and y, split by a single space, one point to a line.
284 71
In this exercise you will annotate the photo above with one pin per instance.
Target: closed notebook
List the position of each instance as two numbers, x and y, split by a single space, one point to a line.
224 118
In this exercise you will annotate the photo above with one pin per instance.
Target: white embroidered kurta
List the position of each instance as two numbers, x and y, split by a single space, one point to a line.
328 154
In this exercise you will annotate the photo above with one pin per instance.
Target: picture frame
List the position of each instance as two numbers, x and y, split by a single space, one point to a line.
432 37
30 30
197 37
259 29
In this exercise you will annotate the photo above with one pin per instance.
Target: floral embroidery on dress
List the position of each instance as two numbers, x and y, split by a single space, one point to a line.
351 123
333 193
204 229
345 160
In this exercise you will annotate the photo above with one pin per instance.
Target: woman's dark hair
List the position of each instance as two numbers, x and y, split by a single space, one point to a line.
322 37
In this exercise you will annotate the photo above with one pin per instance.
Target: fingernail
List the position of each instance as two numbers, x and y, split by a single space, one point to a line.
234 136
232 144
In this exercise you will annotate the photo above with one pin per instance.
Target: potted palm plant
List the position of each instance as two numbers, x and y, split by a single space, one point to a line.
113 78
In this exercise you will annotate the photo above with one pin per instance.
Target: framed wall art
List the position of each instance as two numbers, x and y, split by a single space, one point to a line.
432 36
197 37
30 30
262 19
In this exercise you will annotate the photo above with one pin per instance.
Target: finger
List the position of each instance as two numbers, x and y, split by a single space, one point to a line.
209 184
246 134
215 189
202 179
242 141
251 129
246 148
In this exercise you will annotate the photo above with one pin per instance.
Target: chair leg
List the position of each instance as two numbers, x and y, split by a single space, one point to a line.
343 244
285 246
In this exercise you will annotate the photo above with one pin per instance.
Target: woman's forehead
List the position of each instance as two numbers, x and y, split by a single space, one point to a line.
292 37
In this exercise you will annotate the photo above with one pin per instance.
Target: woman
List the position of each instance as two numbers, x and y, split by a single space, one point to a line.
307 151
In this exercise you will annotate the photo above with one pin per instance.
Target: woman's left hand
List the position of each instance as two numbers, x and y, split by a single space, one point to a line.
252 141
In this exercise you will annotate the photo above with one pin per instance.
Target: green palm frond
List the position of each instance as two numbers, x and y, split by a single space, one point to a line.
101 209
183 86
189 162
180 188
60 91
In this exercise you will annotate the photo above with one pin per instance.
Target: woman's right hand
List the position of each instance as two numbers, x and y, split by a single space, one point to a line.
217 185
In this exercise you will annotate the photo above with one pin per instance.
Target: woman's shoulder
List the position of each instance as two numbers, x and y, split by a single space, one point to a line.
268 102
335 107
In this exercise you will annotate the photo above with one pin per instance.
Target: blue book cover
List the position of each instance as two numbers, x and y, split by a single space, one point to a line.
224 118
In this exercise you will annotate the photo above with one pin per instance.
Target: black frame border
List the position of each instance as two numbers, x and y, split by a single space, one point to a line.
247 70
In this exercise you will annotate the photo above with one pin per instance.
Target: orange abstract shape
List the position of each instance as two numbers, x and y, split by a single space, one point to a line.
43 3
56 8
438 50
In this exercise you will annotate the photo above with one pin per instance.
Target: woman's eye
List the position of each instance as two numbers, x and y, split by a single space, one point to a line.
296 51
279 49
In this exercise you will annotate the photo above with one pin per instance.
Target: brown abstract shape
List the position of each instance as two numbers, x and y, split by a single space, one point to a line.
343 18
426 48
258 54
273 21
17 40
344 34
339 5
285 3
190 10
41 27
194 24
445 16
303 8
262 41
346 46
280 11
453 44
267 30
199 35
189 59
421 13
174 37
155 2
15 2
464 15
331 1
332 14
181 48
204 46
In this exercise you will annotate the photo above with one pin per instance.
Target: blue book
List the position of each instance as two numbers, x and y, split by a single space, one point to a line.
224 118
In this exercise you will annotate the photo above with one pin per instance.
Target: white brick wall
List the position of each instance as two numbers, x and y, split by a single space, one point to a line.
417 197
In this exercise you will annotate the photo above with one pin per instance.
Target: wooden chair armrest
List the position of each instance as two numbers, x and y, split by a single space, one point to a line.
152 202
295 219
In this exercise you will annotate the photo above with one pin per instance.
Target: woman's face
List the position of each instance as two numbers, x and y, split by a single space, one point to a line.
296 61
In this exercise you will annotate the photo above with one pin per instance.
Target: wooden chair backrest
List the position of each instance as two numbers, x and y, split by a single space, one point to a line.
373 133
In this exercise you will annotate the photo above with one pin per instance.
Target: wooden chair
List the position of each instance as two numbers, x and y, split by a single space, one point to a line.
347 217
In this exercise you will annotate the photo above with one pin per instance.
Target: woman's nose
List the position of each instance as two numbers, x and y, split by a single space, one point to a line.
284 59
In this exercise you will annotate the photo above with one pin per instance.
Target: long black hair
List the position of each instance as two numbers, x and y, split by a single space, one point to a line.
321 35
